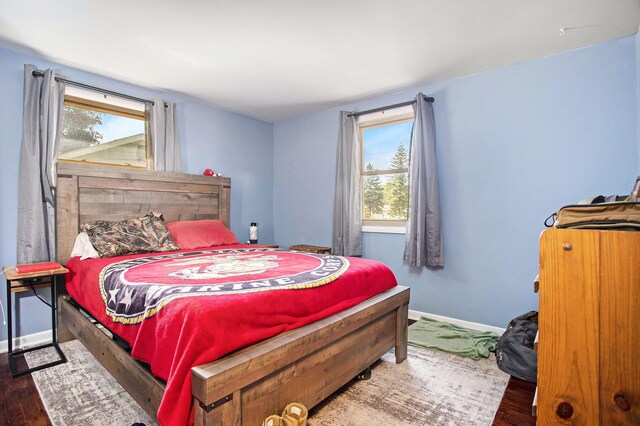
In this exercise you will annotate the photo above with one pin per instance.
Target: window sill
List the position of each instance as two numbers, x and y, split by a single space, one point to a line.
384 229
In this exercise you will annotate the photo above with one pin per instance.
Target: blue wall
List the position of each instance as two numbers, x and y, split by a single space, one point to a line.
638 93
514 145
235 145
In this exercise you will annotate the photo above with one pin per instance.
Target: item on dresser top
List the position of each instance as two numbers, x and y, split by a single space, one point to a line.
515 353
600 212
635 194
612 215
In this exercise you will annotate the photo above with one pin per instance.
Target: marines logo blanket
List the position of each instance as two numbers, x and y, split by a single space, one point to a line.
135 289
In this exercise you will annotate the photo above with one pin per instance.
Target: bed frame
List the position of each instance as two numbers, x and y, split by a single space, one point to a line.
304 365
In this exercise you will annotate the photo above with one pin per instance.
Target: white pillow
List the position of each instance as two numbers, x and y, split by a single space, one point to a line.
83 247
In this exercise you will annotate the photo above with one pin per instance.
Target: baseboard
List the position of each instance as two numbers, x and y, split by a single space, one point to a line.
415 315
45 336
26 341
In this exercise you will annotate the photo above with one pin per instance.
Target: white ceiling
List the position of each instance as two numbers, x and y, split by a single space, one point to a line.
275 59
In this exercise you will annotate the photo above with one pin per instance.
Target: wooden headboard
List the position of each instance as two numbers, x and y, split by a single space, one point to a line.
89 192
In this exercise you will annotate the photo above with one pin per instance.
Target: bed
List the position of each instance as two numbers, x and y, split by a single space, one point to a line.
305 364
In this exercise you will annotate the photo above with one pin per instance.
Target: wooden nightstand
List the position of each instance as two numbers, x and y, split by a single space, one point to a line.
311 249
17 282
270 245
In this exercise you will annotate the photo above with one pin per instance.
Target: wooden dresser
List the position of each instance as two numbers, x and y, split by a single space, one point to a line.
589 328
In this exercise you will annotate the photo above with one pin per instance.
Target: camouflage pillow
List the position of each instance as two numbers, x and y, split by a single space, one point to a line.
145 234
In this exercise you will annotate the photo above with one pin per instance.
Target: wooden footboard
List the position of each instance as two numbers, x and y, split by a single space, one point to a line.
304 365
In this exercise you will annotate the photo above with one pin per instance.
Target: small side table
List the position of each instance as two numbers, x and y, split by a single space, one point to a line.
311 249
23 282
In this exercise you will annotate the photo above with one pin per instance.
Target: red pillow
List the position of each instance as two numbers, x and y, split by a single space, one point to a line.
192 234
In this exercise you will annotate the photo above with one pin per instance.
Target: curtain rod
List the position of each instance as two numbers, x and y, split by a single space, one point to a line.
38 73
401 104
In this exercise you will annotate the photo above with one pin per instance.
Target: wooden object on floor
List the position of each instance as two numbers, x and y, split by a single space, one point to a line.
311 249
515 407
588 369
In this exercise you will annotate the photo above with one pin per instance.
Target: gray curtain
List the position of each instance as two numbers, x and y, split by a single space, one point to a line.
347 208
41 130
164 136
423 245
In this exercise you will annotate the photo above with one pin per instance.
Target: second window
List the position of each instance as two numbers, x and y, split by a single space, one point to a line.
386 139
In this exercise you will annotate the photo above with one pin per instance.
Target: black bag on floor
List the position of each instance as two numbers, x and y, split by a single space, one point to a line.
514 352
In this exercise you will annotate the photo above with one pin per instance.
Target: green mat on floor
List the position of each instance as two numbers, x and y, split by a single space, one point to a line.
432 334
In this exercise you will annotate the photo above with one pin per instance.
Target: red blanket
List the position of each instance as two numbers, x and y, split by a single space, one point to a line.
186 308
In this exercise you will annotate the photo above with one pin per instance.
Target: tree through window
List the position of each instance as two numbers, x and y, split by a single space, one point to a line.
385 182
101 129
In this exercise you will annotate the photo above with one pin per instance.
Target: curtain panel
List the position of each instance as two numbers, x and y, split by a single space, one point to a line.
347 208
41 131
423 243
164 136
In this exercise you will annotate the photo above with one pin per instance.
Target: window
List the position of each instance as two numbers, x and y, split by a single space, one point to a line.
385 139
104 129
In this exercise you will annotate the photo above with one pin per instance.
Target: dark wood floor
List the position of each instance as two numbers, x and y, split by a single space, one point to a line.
21 405
515 408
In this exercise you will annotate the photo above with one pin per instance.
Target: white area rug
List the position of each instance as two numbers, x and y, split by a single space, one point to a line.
430 388
81 391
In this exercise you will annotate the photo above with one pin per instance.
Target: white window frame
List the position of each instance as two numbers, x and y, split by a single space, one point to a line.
114 105
369 121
